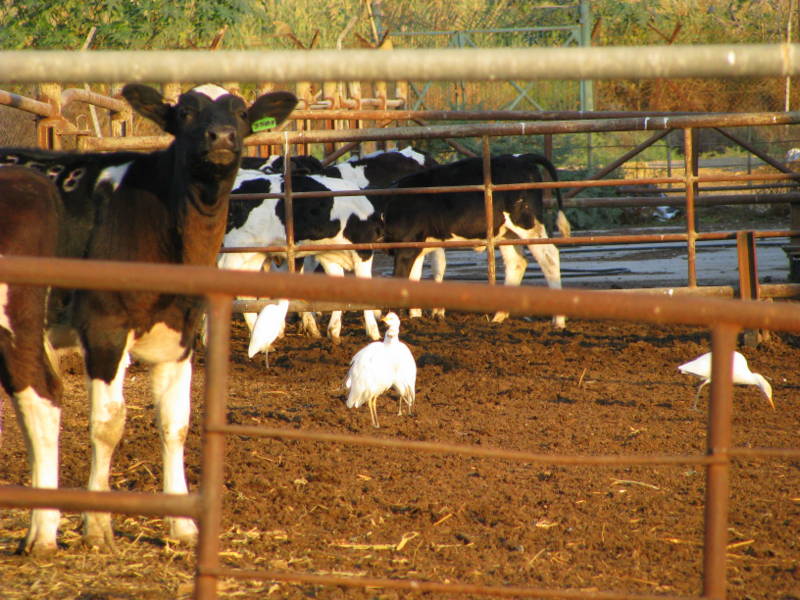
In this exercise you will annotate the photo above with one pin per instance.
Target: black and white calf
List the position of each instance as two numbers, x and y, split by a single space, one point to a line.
331 220
380 169
168 206
461 216
301 164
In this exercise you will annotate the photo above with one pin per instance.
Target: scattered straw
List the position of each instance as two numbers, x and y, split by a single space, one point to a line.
443 519
407 537
739 544
632 482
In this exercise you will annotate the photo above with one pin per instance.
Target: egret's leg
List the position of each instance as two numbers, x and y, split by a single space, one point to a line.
697 397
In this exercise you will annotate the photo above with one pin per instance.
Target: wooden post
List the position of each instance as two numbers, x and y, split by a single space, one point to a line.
46 129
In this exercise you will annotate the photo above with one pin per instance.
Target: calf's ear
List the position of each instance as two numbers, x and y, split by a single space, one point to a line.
270 110
148 102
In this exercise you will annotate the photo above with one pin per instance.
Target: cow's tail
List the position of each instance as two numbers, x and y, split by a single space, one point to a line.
562 223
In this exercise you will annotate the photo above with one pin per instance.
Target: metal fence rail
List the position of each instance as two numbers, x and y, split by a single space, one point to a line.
724 317
447 64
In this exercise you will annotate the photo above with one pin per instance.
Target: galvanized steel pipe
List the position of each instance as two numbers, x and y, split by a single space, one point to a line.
469 130
444 64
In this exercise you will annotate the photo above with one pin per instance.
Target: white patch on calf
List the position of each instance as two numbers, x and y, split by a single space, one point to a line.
243 175
160 344
344 206
4 321
354 174
211 90
172 391
417 157
41 418
113 175
268 165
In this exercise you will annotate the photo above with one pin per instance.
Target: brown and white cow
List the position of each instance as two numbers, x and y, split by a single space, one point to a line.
168 206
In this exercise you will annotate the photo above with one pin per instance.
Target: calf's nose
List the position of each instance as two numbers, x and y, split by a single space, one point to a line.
221 137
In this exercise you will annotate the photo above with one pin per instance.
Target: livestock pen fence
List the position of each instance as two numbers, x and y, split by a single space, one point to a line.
724 317
684 190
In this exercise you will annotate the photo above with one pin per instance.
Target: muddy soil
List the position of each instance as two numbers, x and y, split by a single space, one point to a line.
597 388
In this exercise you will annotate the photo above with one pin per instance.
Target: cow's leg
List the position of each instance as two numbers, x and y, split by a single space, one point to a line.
29 378
308 322
39 419
242 261
438 265
106 362
172 393
514 264
408 263
335 323
363 268
549 260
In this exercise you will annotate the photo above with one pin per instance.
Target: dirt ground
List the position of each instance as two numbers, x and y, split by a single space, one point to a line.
597 388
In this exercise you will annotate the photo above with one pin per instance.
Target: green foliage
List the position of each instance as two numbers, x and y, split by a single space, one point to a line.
155 24
125 24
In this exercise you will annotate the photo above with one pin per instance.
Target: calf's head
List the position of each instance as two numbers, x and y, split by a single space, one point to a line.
209 124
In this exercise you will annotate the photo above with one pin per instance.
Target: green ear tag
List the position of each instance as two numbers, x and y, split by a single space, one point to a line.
264 123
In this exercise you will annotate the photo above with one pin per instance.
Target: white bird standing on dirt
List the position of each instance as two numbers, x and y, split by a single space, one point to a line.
268 327
380 366
742 375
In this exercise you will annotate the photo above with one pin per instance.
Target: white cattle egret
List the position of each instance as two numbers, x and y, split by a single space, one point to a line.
742 375
379 367
267 328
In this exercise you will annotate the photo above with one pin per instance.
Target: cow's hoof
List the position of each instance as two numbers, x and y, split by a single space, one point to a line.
36 548
183 530
97 532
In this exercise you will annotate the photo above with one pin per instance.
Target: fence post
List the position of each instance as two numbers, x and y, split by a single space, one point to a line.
46 132
489 206
723 343
691 167
213 451
748 277
288 203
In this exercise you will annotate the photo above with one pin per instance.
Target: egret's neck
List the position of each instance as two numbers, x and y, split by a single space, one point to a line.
391 336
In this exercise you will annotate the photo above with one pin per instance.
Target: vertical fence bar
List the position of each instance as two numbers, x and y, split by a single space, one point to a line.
748 276
748 266
691 164
488 196
288 204
213 451
723 343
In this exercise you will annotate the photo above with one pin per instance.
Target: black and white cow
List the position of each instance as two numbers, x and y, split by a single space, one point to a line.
380 169
461 216
168 206
331 220
375 170
301 164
